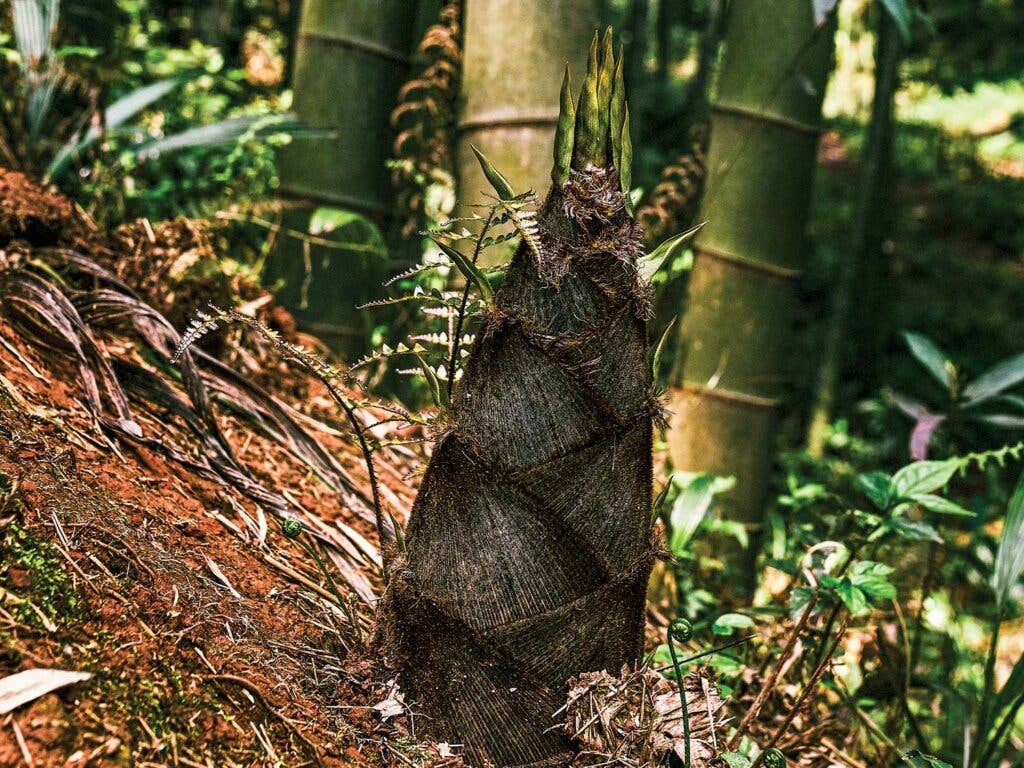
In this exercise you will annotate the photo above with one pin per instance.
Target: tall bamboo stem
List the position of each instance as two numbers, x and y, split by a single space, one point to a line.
735 335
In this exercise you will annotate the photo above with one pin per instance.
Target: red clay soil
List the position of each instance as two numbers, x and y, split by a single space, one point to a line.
214 640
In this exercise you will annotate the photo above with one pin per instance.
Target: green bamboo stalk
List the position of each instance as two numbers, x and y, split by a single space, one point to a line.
515 54
735 336
529 544
351 58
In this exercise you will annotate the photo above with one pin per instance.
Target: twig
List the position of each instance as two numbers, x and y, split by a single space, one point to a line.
773 678
823 665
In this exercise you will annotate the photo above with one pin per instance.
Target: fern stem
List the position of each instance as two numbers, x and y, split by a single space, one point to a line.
453 359
682 701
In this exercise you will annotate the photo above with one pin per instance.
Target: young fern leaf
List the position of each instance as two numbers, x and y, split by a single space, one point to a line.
525 222
416 269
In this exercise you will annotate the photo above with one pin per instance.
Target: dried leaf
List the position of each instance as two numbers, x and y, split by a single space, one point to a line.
23 687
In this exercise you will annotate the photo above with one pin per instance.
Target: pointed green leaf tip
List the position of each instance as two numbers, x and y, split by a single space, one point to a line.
564 132
601 119
605 67
499 182
626 169
587 143
617 111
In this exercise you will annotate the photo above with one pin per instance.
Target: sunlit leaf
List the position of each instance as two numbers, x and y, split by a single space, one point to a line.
728 623
689 509
923 477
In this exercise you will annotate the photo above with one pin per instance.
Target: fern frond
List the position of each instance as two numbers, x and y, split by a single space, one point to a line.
524 219
385 352
418 269
201 325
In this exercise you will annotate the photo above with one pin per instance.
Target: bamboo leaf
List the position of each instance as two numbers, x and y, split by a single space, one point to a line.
114 117
499 182
470 271
432 382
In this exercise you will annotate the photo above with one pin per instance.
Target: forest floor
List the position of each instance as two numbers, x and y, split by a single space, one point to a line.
212 638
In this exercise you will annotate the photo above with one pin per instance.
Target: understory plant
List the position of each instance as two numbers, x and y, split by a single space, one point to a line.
988 400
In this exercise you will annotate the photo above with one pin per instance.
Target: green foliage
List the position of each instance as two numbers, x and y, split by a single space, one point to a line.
178 134
34 579
987 399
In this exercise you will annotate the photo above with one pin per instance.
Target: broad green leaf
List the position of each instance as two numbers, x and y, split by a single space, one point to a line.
651 263
853 597
900 12
877 486
995 380
940 506
930 357
469 270
688 510
728 623
873 579
910 530
499 182
923 477
1010 556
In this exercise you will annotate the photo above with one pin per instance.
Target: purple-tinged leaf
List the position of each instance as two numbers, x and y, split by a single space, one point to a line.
922 435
